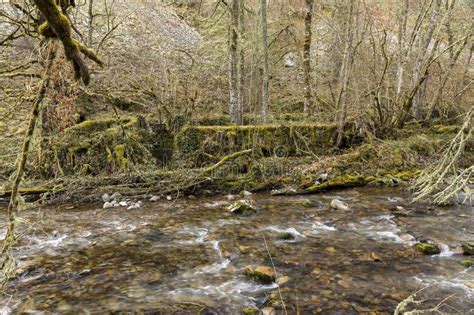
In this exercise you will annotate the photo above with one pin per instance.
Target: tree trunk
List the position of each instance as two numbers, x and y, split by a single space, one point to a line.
10 237
308 96
91 23
418 100
241 65
265 75
233 61
402 51
344 75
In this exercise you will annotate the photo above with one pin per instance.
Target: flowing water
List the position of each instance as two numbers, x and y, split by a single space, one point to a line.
188 256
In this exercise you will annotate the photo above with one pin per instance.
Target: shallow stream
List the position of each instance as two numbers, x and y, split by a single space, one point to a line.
188 256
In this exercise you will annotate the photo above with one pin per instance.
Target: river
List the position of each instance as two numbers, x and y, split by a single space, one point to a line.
187 256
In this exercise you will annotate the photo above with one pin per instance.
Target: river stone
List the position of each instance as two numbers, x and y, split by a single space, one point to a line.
467 263
243 207
428 248
106 197
123 203
339 205
282 280
250 311
116 196
154 198
268 311
108 205
468 249
406 237
262 274
245 193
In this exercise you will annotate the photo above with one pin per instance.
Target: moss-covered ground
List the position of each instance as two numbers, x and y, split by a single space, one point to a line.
141 156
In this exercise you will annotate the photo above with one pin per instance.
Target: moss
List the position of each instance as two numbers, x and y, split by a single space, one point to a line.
197 142
250 311
346 181
440 129
122 161
467 263
406 175
428 248
103 145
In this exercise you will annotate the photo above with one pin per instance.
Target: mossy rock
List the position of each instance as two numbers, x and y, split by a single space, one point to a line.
243 207
467 263
339 182
261 274
107 146
250 311
428 248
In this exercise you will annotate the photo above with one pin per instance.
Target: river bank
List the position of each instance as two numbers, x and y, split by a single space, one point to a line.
139 157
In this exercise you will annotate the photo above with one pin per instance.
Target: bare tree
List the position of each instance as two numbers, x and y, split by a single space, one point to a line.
265 74
308 97
233 64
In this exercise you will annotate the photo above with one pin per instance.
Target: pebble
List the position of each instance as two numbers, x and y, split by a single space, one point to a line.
116 196
246 193
339 205
169 198
268 311
123 203
134 206
108 205
106 197
154 198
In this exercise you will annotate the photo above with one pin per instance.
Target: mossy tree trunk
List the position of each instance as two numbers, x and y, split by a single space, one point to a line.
10 237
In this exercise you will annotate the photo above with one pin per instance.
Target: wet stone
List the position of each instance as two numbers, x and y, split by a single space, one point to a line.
243 207
428 248
468 249
261 274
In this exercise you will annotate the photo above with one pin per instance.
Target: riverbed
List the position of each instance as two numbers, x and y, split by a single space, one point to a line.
187 256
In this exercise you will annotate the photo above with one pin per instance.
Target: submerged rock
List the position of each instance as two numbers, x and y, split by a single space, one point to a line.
468 249
282 280
468 263
287 236
339 205
261 274
250 311
268 311
428 248
243 207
